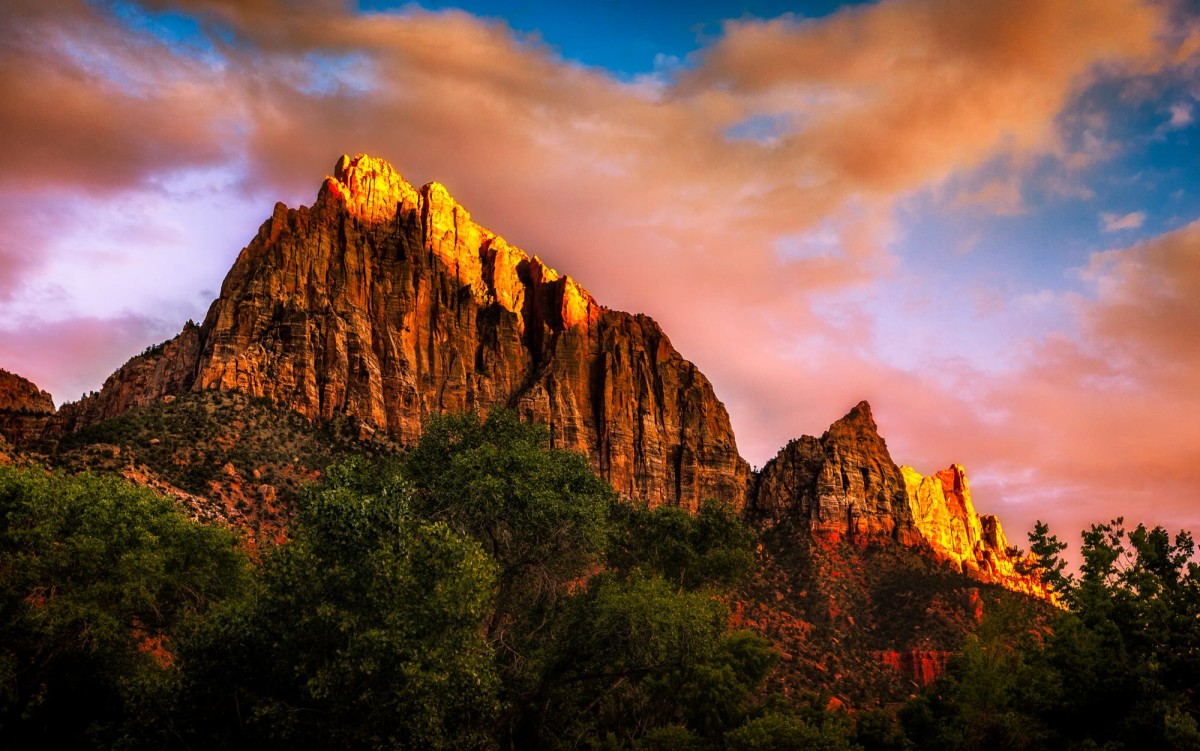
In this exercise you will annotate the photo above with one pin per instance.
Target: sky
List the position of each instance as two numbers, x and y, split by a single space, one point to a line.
982 217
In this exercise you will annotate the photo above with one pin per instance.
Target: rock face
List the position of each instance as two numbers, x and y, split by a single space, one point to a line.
942 509
24 408
842 485
922 667
18 394
387 303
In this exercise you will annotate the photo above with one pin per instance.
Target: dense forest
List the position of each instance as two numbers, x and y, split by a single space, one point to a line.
482 590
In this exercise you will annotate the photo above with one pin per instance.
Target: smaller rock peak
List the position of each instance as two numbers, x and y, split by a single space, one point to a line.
351 170
371 188
436 191
861 411
19 394
439 201
858 417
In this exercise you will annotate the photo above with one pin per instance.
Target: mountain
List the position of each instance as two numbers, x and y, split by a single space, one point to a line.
386 303
844 486
383 304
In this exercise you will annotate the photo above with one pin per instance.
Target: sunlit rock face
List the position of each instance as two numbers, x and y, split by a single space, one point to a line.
942 509
24 408
975 544
387 303
845 486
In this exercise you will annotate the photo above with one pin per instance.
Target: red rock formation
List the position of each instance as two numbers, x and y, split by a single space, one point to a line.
24 408
942 509
18 394
922 667
388 303
843 485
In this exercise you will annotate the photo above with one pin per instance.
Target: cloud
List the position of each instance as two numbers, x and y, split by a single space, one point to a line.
92 105
1181 115
910 91
1001 196
1117 222
73 356
1100 422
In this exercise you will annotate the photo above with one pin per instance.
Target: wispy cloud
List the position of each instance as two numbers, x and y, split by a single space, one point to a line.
1181 115
1001 196
1118 222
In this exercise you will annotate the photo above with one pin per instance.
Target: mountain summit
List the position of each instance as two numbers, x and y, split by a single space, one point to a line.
387 303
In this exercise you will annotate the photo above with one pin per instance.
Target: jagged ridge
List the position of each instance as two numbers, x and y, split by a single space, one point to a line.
388 303
845 486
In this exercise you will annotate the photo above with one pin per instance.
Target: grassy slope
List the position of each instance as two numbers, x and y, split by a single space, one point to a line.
226 456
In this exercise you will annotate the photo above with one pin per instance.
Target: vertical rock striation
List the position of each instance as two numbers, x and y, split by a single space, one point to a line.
844 486
974 544
387 303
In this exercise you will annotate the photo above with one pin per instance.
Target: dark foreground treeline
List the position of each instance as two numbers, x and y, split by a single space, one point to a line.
484 591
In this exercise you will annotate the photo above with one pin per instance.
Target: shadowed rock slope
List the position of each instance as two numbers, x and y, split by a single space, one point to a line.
386 303
844 486
24 408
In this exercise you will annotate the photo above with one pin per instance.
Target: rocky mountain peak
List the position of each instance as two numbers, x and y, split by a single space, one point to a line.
844 484
370 188
388 304
860 416
18 394
24 408
944 513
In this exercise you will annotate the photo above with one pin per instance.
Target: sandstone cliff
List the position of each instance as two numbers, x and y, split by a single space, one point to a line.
842 485
24 408
387 303
845 486
942 510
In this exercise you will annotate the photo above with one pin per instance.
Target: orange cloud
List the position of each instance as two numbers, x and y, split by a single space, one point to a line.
1104 422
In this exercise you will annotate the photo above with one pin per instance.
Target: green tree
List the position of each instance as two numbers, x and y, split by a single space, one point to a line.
787 732
1116 669
97 577
634 656
365 631
541 513
713 547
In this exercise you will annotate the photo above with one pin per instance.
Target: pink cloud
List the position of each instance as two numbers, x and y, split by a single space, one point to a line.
1118 222
73 356
1095 425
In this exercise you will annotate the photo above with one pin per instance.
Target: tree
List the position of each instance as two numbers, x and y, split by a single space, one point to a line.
365 631
97 578
541 513
1116 670
634 656
711 548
